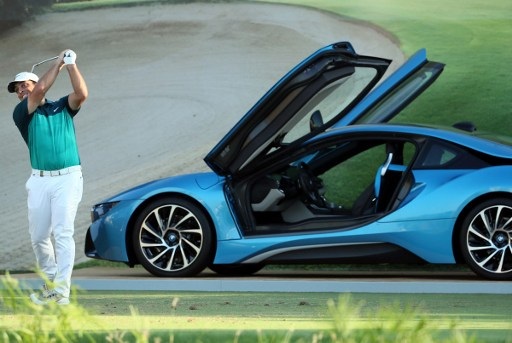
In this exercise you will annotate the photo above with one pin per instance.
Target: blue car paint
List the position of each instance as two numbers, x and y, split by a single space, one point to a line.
422 232
414 236
107 231
449 199
423 223
223 221
410 226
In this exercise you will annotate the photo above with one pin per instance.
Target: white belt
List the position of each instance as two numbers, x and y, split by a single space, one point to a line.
63 171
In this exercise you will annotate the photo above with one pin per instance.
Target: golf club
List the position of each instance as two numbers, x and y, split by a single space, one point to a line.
43 61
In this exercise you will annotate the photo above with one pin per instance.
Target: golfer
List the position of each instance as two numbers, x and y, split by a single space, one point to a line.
55 184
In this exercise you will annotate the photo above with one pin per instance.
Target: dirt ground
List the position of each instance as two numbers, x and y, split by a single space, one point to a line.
166 82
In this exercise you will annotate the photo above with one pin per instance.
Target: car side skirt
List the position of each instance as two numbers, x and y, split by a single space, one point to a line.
372 253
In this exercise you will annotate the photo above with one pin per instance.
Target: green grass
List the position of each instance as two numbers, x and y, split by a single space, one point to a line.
264 317
154 316
472 37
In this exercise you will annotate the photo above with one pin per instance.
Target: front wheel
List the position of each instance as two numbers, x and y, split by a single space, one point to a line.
173 238
486 239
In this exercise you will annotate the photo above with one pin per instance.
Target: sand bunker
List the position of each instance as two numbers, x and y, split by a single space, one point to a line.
166 82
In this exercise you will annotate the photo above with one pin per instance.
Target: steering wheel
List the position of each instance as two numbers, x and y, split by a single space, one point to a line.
310 185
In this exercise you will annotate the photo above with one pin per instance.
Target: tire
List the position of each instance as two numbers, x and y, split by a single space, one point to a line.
173 238
236 269
486 239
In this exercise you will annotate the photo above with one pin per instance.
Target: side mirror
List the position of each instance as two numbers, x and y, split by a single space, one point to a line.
316 121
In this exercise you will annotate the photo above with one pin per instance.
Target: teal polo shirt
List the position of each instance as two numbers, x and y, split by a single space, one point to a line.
49 133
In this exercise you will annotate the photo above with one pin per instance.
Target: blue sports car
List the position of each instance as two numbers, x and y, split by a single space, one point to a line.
315 173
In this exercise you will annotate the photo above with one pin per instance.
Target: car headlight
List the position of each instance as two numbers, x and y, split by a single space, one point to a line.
100 210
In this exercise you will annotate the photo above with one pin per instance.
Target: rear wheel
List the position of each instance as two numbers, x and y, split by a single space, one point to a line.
486 239
173 237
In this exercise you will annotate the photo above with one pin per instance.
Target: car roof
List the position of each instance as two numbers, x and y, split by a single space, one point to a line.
485 142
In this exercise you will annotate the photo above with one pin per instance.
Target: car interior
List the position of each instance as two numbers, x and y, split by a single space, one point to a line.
335 186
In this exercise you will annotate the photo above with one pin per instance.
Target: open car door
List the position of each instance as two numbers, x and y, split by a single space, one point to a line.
332 87
332 81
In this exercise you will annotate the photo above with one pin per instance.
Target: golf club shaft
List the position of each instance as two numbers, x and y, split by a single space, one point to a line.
44 61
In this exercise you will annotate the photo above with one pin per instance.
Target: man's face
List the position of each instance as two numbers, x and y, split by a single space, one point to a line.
24 88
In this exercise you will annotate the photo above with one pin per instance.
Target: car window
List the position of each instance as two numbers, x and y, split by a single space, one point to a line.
329 102
442 155
402 95
347 182
322 89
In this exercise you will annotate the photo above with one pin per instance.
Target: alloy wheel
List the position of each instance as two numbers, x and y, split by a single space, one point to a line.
488 240
172 239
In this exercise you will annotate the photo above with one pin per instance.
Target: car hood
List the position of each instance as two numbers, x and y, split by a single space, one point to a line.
333 87
185 184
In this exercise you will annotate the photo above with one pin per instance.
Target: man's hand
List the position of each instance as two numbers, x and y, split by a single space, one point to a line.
69 57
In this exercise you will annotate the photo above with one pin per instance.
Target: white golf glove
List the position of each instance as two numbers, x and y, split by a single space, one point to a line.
69 57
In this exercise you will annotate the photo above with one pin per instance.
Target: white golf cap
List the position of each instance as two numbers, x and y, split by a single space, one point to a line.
23 76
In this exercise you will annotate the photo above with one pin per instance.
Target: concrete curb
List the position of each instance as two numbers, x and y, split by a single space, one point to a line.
125 279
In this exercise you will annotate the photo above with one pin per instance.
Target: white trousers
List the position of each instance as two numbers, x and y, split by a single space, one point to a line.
52 206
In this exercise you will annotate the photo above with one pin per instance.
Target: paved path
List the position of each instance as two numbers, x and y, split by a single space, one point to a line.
124 279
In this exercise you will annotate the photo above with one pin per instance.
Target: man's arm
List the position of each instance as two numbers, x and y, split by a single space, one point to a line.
76 98
43 85
80 92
